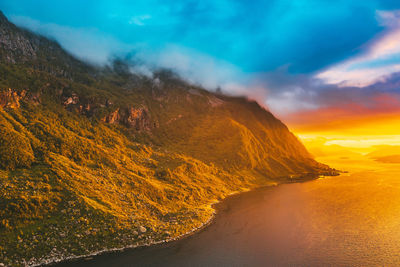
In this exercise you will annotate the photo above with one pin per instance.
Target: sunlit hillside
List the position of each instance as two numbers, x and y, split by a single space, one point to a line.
97 158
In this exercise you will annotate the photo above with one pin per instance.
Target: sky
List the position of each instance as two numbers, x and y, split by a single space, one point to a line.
323 67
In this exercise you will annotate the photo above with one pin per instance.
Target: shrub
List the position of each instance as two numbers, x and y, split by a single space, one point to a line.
15 149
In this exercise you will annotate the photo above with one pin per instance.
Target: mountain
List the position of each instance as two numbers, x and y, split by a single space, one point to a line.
94 158
385 154
319 147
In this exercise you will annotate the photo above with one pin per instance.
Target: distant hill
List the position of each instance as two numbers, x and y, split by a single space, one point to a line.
318 147
386 154
96 158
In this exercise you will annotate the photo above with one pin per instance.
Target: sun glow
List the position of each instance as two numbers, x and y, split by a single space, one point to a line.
363 135
349 141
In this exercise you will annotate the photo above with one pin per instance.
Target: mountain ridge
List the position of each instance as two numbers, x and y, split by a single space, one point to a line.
94 158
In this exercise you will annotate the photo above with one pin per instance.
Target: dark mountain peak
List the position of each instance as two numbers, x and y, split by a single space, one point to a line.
21 46
4 22
15 46
3 17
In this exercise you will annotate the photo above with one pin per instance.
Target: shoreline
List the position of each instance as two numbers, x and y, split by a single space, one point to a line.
210 220
53 261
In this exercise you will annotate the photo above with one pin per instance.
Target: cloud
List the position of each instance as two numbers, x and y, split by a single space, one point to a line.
306 103
95 47
88 44
139 20
193 66
381 58
319 107
342 76
200 68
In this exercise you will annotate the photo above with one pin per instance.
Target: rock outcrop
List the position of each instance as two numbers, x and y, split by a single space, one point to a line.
10 98
137 118
134 118
71 100
113 117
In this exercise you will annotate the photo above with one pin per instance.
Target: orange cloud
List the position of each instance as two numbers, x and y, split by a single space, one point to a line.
380 115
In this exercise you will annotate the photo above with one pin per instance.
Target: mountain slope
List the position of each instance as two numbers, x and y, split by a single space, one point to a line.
96 158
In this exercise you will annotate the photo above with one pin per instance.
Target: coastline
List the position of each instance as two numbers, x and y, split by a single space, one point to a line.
53 261
214 206
209 221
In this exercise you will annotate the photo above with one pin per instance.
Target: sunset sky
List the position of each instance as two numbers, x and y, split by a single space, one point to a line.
326 68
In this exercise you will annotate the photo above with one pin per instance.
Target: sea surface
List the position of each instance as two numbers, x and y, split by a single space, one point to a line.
349 220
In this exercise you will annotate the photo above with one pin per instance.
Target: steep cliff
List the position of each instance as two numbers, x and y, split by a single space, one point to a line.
95 158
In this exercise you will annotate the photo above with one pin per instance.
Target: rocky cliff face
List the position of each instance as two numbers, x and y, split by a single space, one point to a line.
21 46
96 155
131 117
18 46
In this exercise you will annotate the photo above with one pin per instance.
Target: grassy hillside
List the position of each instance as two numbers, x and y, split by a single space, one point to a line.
98 158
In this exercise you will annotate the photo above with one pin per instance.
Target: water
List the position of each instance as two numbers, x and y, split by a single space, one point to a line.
350 220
